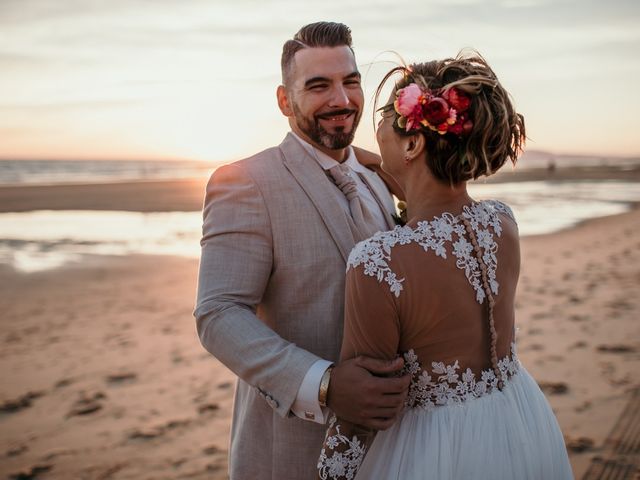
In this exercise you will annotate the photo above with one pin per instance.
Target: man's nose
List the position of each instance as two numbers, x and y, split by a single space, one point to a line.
339 97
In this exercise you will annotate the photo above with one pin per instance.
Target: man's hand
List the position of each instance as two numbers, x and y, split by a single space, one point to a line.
360 394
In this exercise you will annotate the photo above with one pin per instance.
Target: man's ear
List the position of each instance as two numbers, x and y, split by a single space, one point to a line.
283 101
414 146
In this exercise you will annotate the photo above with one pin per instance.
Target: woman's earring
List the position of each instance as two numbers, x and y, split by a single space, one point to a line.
406 160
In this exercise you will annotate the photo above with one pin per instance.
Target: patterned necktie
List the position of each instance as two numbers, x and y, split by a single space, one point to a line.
360 214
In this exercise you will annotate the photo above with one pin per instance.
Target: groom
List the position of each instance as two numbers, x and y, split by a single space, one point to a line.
276 236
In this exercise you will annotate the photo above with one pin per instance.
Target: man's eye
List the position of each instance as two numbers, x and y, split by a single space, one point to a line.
318 86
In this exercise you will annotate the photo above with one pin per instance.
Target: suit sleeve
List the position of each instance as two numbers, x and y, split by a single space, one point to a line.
235 267
371 328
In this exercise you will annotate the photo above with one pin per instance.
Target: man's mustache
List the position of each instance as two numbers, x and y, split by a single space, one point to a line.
336 113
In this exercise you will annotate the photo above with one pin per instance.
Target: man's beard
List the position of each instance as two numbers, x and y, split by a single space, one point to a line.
333 141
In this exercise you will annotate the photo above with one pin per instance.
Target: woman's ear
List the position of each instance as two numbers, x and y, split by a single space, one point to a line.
414 147
283 101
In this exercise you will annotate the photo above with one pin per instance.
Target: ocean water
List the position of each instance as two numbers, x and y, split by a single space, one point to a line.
48 172
41 240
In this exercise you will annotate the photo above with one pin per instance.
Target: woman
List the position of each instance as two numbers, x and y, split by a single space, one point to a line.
441 291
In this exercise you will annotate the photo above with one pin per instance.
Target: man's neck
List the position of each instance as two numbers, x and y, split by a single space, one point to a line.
339 155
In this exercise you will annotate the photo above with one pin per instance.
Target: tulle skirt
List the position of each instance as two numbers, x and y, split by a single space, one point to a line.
510 434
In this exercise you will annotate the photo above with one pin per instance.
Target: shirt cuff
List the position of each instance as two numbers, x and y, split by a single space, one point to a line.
306 405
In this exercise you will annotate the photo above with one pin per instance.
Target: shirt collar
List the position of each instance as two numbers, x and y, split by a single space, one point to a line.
325 161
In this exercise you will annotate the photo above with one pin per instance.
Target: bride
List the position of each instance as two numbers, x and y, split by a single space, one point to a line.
440 292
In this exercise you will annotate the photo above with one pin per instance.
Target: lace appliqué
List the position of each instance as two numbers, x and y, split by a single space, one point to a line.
502 208
375 253
447 386
341 456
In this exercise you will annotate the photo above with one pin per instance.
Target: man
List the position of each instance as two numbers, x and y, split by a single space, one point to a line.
276 236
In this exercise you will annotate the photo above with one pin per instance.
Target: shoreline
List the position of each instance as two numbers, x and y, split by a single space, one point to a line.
187 195
184 195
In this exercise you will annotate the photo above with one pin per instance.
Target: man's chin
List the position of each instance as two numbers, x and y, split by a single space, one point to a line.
337 143
337 140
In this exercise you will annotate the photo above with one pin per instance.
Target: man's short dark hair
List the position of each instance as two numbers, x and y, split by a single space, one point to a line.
319 34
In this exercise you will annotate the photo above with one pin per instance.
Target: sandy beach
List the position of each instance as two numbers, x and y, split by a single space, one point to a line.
104 376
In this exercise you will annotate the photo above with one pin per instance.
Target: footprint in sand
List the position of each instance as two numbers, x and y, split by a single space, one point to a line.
12 338
580 444
617 348
87 404
117 378
208 408
20 403
554 388
16 450
583 406
65 382
31 473
211 450
575 299
214 468
149 433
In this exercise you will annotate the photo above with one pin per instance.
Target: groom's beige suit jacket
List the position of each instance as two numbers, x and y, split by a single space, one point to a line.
270 298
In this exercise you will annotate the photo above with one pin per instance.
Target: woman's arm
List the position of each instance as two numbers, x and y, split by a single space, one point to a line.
371 328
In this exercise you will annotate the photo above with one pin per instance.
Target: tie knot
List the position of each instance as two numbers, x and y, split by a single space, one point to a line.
342 179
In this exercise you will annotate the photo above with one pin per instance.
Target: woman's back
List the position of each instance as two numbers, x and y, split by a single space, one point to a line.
434 282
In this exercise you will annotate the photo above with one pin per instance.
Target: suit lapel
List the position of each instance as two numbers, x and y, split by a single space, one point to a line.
366 178
372 162
321 192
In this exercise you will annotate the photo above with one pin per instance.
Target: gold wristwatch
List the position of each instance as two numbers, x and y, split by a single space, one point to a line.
324 387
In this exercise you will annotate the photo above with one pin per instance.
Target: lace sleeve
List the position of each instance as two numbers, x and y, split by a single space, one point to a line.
503 208
343 450
371 328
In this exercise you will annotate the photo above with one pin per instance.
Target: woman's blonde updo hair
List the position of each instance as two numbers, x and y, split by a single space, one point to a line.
498 131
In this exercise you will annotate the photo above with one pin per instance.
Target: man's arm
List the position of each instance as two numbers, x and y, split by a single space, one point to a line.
307 405
373 161
234 271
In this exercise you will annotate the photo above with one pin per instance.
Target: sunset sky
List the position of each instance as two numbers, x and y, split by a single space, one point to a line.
196 79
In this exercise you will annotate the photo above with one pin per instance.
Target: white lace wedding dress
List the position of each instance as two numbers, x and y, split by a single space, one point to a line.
473 411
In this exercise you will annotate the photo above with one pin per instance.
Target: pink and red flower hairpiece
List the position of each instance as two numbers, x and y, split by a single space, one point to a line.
442 111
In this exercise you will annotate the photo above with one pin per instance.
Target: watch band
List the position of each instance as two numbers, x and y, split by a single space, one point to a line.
324 387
